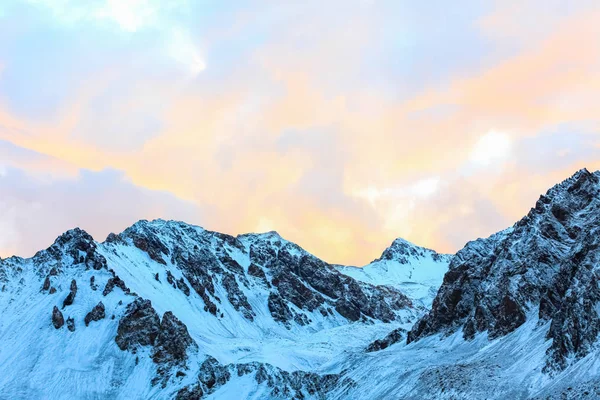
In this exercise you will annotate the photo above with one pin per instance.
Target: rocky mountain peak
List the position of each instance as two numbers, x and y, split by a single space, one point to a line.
402 251
530 270
74 247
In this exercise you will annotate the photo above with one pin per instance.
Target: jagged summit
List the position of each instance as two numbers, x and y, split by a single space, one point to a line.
402 251
414 270
545 266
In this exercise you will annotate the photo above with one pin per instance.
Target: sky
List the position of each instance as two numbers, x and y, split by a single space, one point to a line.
340 124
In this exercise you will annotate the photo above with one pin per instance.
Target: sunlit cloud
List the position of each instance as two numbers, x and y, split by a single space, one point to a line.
491 148
340 133
182 49
131 15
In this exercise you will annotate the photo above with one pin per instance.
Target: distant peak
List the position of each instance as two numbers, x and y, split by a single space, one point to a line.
73 235
160 223
401 249
402 243
270 236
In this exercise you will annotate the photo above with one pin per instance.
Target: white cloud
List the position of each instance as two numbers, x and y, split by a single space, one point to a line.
425 187
182 49
491 148
131 15
264 225
418 190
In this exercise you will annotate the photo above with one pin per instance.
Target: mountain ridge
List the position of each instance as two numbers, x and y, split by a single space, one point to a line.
165 309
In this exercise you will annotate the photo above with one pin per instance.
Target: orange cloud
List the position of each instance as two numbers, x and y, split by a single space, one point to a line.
220 143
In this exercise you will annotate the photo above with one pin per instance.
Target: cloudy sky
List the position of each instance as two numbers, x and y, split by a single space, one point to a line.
340 124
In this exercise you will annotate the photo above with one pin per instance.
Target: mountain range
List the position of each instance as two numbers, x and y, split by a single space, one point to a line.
168 310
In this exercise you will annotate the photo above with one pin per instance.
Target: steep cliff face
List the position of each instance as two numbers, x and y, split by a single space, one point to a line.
255 272
545 266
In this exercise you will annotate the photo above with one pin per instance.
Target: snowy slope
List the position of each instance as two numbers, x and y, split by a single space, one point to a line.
416 271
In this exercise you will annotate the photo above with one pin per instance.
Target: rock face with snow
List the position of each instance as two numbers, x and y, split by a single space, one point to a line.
166 310
415 271
184 311
547 264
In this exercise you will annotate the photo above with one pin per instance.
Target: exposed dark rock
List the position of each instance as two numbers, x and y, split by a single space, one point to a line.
46 284
52 290
71 296
181 285
96 314
347 310
212 373
279 309
171 279
114 238
196 269
57 318
151 245
236 297
171 346
257 272
282 384
190 393
156 277
115 281
71 324
172 341
139 326
77 244
395 336
93 285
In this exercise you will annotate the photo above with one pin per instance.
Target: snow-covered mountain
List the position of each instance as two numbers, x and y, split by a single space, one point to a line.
164 307
416 271
169 310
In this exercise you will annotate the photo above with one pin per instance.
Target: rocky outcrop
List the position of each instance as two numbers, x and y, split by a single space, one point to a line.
313 285
97 313
151 245
172 341
547 263
280 383
181 285
46 285
76 244
71 324
395 336
169 338
71 296
299 284
113 282
139 326
236 297
171 347
57 318
279 309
